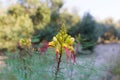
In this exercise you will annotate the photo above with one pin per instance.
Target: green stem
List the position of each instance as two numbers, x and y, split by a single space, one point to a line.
25 68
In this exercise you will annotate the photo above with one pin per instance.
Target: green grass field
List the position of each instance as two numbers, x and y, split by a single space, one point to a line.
43 67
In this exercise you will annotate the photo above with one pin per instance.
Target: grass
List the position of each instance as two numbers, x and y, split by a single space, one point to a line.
43 67
116 69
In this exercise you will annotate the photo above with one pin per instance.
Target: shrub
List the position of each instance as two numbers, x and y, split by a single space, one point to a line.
12 28
41 17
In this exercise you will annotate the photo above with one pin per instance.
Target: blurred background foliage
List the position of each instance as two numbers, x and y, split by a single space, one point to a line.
41 20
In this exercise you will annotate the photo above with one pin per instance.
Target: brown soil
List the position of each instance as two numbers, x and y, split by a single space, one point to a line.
107 55
2 63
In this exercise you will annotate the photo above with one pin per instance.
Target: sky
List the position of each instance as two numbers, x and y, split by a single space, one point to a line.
6 3
100 9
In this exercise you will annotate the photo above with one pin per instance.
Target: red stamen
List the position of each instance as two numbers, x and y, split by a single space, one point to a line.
44 47
68 54
73 58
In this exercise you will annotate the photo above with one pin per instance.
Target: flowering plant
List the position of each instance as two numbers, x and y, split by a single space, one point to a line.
62 41
24 43
25 52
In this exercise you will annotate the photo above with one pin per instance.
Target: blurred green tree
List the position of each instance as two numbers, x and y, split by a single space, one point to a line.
87 31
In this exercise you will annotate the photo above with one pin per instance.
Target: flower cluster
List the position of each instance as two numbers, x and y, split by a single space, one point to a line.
63 41
24 43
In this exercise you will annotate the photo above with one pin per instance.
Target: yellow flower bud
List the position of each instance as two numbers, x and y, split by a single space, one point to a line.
69 41
71 48
52 44
72 39
58 49
64 45
55 39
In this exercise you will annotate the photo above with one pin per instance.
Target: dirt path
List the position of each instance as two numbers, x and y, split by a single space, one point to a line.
2 63
107 54
106 58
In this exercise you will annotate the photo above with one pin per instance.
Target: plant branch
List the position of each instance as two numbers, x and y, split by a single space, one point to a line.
58 66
